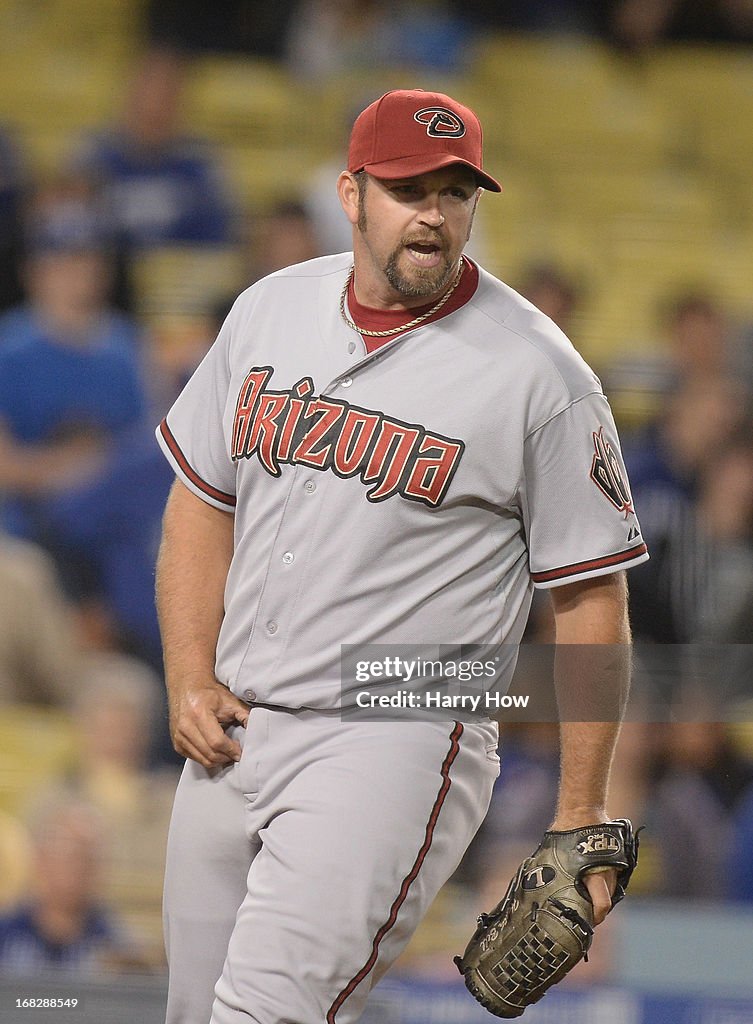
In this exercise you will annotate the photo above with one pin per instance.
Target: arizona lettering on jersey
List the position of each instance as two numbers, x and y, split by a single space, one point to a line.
297 427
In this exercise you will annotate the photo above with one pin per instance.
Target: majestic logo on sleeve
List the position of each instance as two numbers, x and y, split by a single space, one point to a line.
296 428
440 122
607 474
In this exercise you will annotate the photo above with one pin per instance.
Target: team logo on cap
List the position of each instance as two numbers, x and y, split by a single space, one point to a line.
440 122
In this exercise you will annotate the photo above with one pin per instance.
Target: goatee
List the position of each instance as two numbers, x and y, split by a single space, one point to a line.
421 283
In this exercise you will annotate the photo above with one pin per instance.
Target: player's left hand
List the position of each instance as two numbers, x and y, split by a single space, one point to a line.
544 924
601 883
601 886
199 711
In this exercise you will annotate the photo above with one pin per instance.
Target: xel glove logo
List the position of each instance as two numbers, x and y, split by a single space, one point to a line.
440 122
599 842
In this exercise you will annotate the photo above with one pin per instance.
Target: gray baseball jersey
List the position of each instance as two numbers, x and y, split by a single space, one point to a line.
414 494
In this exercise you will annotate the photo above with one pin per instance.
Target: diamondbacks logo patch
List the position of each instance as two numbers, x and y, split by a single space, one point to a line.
440 122
608 475
296 427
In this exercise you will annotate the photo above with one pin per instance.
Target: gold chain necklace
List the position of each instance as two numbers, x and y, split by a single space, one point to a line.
403 327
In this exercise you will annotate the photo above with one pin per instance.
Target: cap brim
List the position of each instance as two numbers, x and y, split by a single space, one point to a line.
410 166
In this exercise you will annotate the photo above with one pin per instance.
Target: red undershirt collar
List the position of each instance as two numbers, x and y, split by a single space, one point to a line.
384 319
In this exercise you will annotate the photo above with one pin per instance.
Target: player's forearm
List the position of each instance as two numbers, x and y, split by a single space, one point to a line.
586 751
592 676
194 558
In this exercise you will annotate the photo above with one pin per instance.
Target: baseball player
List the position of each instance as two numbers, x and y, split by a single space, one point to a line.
383 446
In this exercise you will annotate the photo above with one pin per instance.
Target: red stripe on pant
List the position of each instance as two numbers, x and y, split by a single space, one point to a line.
444 789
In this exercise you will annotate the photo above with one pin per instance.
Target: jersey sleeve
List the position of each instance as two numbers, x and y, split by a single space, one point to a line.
576 502
192 434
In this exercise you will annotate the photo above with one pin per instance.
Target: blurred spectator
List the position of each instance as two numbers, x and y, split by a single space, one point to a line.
70 380
552 291
699 779
328 37
697 344
116 708
11 235
159 186
62 925
725 512
38 656
698 335
725 619
119 716
112 522
284 235
666 465
113 525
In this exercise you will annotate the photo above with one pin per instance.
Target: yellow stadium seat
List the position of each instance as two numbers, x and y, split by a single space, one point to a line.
567 103
37 746
249 101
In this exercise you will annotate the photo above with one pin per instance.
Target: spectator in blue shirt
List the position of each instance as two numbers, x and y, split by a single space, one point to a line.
62 925
114 522
159 186
70 380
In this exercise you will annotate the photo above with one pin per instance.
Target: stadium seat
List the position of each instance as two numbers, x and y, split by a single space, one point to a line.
37 746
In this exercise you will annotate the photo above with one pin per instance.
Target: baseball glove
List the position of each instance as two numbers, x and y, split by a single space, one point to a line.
544 924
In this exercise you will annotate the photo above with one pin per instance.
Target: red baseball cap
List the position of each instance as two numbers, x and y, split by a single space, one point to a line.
408 132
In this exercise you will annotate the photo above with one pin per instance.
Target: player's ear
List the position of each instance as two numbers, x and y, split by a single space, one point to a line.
347 190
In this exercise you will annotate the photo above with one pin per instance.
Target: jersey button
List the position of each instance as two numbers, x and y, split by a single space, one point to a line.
288 558
346 382
309 486
272 627
351 347
249 695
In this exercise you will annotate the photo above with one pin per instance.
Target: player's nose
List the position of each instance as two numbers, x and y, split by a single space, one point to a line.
431 212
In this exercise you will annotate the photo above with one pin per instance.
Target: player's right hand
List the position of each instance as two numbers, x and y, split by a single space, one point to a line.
198 712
